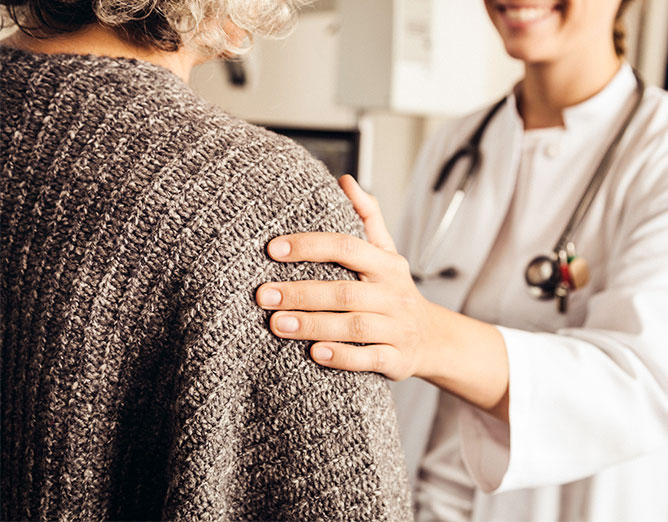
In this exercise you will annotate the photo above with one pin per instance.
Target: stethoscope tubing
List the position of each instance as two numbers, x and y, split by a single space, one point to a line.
600 173
472 149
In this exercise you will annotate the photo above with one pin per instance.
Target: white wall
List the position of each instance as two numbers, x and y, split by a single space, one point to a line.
647 28
291 82
393 143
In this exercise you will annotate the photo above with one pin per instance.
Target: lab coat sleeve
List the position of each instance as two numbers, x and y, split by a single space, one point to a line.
584 399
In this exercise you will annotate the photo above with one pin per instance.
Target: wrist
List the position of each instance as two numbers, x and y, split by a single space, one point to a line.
435 352
467 358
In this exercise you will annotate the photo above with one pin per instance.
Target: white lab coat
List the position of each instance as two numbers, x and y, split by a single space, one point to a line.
588 434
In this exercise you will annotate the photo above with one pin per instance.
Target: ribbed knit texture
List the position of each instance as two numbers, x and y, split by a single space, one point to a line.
139 378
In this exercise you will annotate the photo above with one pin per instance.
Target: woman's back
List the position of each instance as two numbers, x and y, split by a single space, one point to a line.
138 378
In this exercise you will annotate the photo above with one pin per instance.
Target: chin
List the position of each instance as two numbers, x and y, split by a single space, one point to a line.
528 53
528 33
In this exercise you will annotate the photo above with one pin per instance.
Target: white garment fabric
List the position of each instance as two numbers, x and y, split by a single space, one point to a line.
588 433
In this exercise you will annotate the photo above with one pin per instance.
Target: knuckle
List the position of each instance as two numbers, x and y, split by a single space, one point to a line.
303 246
307 326
345 295
402 264
358 327
349 359
379 361
398 376
347 245
292 299
395 368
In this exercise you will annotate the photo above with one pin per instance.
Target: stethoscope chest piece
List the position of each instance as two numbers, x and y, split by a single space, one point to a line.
578 270
556 276
543 276
551 276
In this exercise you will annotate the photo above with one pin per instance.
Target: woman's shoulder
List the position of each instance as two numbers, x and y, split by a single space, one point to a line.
259 167
135 131
638 181
460 126
452 132
446 135
148 122
647 141
653 113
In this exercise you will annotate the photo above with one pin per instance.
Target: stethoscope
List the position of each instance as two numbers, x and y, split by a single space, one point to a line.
547 276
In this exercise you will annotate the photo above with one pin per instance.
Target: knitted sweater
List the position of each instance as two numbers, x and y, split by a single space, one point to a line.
139 378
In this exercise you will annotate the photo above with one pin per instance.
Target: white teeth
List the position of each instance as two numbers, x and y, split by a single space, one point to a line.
526 14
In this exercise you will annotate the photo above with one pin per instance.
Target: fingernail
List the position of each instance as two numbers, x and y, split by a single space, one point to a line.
322 353
287 324
279 248
270 297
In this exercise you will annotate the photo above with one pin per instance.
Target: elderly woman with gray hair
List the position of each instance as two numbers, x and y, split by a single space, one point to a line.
139 380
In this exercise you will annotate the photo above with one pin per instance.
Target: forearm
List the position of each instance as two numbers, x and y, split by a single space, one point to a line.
468 358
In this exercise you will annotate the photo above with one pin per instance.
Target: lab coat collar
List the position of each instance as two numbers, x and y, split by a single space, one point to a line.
608 101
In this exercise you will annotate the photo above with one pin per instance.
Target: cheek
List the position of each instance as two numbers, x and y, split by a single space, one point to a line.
494 17
490 10
587 22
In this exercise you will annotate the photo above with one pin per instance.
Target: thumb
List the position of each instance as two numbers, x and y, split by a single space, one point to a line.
368 209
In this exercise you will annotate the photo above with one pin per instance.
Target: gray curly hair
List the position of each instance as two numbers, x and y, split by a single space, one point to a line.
200 25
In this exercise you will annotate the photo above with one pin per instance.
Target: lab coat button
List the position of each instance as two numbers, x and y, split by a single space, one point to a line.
552 150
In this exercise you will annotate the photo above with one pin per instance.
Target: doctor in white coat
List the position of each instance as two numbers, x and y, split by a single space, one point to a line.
543 414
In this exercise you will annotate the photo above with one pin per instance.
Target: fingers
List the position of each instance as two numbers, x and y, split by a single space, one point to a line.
341 296
329 326
326 247
379 358
368 209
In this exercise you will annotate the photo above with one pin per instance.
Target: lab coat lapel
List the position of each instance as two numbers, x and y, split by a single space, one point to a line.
482 212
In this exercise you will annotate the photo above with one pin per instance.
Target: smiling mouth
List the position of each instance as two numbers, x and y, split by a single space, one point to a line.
526 14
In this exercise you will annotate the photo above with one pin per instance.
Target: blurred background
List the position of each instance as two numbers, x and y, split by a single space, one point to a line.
361 83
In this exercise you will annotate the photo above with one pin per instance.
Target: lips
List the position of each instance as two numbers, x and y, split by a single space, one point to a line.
526 14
